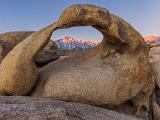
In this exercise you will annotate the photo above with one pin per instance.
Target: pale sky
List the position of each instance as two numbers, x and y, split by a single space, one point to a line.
24 15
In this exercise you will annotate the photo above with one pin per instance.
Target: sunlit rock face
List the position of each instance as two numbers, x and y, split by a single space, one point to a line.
116 71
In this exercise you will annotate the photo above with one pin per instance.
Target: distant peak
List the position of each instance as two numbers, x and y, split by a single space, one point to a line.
152 38
69 43
68 39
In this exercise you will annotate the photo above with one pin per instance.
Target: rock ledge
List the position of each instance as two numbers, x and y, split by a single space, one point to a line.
28 108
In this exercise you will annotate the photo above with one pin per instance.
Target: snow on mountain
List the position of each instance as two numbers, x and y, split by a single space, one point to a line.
71 44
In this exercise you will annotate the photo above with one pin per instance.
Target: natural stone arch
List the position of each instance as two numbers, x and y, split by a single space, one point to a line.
122 46
76 40
121 58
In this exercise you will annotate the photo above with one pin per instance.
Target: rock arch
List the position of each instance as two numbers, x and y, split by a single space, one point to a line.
117 70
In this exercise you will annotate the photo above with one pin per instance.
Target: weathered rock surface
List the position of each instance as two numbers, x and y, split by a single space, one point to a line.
154 58
1 50
11 39
116 71
18 70
156 108
47 54
27 108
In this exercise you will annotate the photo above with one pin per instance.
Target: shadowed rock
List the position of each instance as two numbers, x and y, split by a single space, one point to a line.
154 57
156 111
116 71
2 50
11 39
23 108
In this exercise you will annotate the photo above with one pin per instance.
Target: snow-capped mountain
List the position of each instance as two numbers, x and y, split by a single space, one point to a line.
152 38
71 44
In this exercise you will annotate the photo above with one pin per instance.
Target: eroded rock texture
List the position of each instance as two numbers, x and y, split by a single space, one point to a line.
2 50
18 70
10 39
116 71
25 108
154 57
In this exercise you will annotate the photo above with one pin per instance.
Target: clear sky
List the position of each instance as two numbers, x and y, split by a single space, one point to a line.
23 15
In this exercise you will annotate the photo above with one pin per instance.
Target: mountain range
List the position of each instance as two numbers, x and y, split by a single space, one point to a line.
71 44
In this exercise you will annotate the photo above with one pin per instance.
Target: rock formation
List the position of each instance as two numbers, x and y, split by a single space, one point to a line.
154 57
24 108
116 71
18 70
2 50
112 73
11 39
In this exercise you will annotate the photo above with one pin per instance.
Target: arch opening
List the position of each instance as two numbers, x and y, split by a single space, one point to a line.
76 39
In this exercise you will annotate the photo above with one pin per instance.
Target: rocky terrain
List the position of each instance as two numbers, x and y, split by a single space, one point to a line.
27 108
117 80
10 39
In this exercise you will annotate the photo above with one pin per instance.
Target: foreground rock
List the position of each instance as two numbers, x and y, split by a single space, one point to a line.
154 57
18 70
26 108
10 39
